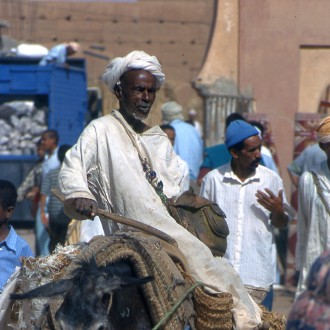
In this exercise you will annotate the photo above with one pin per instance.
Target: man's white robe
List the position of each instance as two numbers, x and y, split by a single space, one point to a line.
313 234
104 166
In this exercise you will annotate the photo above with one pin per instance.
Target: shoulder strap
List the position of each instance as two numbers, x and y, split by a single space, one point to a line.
319 191
130 135
151 175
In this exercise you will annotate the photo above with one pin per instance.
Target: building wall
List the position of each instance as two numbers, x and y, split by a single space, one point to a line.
273 65
314 76
222 55
176 31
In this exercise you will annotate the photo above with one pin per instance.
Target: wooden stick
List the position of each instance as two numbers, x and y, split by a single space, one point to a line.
126 221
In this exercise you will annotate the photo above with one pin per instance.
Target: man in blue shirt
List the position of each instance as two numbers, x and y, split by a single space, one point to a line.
49 142
54 219
188 144
12 246
59 54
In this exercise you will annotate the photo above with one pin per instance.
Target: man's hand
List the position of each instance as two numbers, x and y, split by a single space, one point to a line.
274 204
86 207
269 201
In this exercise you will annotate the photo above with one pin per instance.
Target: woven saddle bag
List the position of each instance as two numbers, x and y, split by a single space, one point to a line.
202 218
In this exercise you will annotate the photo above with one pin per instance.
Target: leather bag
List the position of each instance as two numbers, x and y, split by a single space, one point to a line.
202 218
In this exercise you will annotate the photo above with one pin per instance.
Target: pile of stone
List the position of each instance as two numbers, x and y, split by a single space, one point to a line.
21 125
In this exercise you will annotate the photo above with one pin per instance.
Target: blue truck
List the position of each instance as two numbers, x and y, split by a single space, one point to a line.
60 92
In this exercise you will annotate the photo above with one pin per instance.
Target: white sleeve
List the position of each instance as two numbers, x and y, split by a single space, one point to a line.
186 179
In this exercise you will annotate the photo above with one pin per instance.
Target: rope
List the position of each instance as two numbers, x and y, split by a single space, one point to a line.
176 306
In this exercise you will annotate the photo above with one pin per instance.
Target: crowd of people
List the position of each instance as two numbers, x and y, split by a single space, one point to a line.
122 165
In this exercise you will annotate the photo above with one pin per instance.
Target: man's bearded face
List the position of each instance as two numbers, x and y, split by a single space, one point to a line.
250 155
137 93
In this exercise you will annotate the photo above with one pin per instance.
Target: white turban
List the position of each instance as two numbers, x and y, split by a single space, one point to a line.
170 111
136 60
323 131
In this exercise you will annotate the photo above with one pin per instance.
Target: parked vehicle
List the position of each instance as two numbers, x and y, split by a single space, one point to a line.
33 98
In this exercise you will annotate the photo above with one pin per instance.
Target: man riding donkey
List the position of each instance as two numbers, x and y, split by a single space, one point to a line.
104 170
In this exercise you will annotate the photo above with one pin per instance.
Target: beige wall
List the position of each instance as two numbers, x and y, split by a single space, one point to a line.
222 57
314 77
271 36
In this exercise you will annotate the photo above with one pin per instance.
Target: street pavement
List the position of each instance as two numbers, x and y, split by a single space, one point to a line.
283 300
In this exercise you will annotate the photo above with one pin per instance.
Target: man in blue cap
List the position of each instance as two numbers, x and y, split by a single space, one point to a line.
253 200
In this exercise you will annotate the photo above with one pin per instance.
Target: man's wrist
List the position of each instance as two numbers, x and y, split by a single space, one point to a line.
279 220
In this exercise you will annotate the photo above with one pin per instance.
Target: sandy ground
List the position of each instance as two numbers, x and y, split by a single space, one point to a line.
283 298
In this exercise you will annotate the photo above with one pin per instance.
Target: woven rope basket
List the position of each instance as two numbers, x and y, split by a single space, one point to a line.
213 311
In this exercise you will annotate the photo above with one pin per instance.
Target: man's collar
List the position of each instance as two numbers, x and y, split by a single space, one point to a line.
176 120
116 113
54 151
47 156
230 174
11 239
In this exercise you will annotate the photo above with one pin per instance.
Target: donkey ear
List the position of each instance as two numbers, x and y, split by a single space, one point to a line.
46 290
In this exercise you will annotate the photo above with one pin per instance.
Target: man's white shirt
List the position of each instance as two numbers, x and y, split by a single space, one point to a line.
251 244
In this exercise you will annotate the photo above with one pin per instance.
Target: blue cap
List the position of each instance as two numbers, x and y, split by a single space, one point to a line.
238 131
